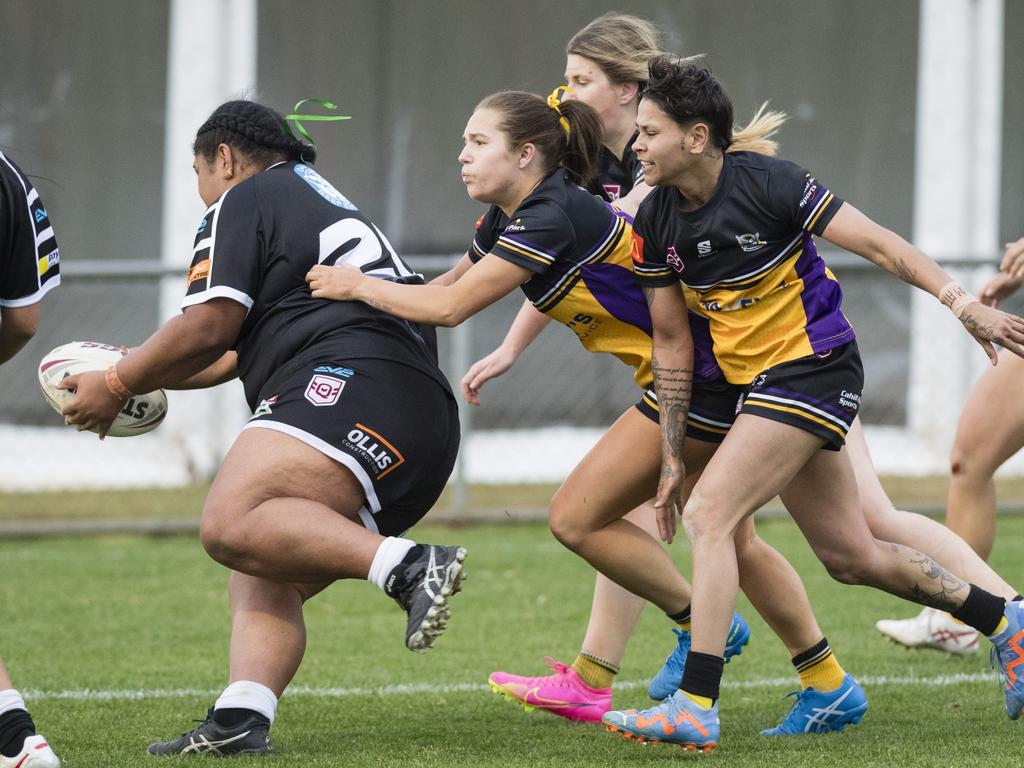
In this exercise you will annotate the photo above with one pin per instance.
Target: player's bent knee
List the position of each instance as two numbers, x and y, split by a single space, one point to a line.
221 540
845 566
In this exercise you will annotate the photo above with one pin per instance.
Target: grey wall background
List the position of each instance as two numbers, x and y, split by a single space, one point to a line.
82 109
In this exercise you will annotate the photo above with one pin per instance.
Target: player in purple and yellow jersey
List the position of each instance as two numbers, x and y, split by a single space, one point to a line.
737 229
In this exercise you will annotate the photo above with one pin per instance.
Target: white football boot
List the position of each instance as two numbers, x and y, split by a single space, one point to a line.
931 628
36 753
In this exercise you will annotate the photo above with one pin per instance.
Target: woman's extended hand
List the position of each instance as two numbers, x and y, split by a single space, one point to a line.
339 283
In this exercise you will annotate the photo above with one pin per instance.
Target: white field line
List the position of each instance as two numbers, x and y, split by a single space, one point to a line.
429 688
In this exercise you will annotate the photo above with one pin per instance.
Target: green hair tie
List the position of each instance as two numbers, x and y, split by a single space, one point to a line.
296 118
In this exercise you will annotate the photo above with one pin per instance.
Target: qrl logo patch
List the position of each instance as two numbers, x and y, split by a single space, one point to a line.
324 390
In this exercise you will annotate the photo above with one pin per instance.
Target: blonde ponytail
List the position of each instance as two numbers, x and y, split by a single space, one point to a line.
756 135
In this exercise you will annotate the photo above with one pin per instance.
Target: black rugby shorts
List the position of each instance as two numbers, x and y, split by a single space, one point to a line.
395 428
713 408
819 393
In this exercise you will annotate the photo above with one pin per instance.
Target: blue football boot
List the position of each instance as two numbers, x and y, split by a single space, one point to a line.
676 720
667 680
818 712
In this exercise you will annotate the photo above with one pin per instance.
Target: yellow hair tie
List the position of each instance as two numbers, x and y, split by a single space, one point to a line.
554 101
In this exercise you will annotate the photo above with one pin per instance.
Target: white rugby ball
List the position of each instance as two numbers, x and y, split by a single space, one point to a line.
140 414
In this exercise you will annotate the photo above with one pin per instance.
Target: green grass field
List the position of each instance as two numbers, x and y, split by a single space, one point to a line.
118 641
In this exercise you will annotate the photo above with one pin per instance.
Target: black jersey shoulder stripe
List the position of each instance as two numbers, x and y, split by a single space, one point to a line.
43 286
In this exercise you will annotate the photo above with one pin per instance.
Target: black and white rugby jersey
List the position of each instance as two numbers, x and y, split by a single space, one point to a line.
255 246
29 257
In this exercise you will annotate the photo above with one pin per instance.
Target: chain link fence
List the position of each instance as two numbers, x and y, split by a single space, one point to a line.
536 421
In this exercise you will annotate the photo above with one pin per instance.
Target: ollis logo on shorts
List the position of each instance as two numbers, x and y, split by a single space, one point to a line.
324 390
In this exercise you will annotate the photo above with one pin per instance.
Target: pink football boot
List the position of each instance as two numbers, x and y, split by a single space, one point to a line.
561 693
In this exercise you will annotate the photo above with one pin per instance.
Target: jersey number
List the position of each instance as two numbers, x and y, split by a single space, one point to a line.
351 241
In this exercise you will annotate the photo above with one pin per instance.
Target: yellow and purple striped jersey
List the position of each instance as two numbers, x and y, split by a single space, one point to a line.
748 254
580 253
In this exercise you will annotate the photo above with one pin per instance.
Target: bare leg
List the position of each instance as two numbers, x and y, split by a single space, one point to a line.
614 610
268 632
5 679
283 511
775 590
990 430
928 536
586 512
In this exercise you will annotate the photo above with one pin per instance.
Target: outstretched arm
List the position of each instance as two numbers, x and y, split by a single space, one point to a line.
480 286
853 231
524 329
672 364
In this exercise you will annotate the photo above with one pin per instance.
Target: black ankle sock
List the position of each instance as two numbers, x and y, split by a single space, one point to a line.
1017 598
681 617
230 717
981 610
703 674
15 726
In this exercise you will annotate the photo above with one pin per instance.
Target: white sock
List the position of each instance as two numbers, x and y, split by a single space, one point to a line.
11 700
389 554
245 694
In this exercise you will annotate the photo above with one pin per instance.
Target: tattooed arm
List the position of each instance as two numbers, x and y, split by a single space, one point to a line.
672 364
853 231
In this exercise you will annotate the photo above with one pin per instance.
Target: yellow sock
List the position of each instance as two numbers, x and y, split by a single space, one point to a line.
1002 625
595 672
821 672
703 701
686 626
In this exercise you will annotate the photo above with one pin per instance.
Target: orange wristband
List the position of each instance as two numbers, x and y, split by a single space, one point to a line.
115 385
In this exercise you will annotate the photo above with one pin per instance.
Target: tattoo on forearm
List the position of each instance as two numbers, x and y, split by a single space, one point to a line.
904 271
938 588
673 387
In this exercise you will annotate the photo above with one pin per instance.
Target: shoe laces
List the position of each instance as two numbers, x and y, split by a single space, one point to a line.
557 666
798 697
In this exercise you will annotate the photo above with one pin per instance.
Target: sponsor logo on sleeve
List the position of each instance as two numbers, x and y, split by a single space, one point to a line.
198 271
374 450
49 261
515 226
324 390
40 215
809 189
202 226
673 260
614 191
638 248
479 222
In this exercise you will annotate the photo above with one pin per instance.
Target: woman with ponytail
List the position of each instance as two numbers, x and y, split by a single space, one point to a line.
737 229
571 255
354 429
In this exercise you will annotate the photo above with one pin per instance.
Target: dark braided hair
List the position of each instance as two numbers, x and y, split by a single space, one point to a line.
255 130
